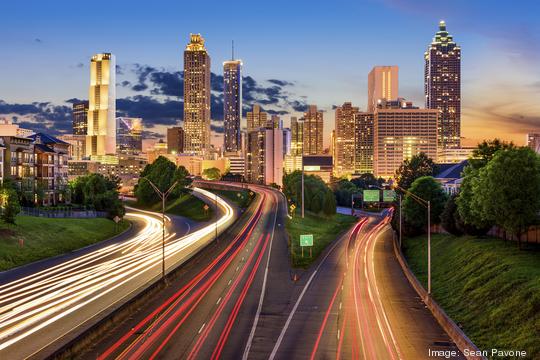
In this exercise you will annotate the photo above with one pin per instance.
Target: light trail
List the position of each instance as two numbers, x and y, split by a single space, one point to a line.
38 301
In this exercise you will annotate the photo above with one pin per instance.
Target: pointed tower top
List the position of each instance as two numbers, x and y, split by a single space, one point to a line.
442 25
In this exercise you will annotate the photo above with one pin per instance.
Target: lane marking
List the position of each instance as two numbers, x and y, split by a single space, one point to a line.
219 300
202 327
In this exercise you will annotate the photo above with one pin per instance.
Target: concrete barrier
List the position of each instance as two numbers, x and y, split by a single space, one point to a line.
456 334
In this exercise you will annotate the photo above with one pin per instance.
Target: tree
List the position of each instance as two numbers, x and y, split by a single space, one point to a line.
343 190
9 204
449 217
508 188
414 168
329 204
428 189
211 174
367 180
99 193
314 190
486 150
162 173
470 221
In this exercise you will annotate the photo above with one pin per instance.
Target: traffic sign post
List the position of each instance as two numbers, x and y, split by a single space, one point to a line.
306 240
389 195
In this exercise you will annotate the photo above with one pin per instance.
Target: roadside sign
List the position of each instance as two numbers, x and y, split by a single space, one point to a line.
306 240
389 195
206 207
116 219
371 196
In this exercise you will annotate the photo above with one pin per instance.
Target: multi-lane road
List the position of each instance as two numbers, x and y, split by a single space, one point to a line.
238 298
40 309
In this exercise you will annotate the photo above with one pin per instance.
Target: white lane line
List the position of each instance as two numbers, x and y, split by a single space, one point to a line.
202 327
263 289
229 283
218 301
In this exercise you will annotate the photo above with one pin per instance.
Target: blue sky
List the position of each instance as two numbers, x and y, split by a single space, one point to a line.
321 50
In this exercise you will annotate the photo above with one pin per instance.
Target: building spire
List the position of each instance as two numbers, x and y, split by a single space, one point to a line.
442 25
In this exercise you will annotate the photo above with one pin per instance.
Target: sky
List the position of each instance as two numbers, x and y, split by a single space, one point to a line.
294 53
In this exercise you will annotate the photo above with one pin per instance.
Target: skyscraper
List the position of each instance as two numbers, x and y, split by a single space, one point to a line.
344 150
313 131
256 118
382 84
363 143
533 141
265 156
442 86
232 103
297 137
196 97
101 131
80 117
129 135
175 140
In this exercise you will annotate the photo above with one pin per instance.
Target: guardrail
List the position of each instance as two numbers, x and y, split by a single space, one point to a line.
61 213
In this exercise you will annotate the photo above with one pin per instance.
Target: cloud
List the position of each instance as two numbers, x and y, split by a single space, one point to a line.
153 111
38 41
280 82
39 116
80 65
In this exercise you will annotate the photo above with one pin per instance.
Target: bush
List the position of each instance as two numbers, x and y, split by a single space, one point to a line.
449 217
9 204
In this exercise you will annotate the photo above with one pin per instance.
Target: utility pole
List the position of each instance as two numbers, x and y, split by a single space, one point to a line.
429 244
302 187
400 221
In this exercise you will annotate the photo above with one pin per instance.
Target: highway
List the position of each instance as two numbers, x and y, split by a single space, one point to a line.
42 309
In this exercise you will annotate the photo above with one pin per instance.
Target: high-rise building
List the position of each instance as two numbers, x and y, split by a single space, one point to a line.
297 137
175 140
442 86
256 118
401 131
77 146
533 141
344 149
129 135
265 156
232 103
313 131
382 84
80 117
363 143
196 97
101 130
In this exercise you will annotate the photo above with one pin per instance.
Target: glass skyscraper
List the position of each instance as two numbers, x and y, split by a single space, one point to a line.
232 104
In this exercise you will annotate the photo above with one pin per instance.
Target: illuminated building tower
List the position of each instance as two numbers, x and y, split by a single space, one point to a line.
313 131
232 103
382 84
533 141
175 140
128 135
196 97
265 156
401 131
101 131
344 149
442 86
256 118
297 137
80 118
363 143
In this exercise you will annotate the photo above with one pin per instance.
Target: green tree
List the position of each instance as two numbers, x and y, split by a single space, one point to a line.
471 221
162 173
449 217
414 168
343 189
9 204
314 189
428 189
329 204
211 174
485 151
367 180
508 188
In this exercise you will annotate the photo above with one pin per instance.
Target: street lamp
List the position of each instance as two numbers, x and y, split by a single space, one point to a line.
302 187
427 204
163 196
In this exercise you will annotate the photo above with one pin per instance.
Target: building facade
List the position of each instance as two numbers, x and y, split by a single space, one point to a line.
175 140
363 143
297 137
344 141
382 84
256 118
77 146
101 129
80 118
401 131
442 86
129 135
232 104
19 163
313 131
265 156
533 141
196 97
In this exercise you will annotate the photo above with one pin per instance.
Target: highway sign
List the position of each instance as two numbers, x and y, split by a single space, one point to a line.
206 207
389 195
371 195
306 240
116 219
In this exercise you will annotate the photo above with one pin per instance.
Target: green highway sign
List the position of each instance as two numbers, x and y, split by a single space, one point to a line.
389 195
306 240
371 196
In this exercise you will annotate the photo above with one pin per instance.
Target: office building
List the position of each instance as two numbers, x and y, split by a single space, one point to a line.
237 163
442 86
129 135
196 97
19 163
382 84
232 104
313 131
363 143
344 139
8 128
101 130
454 155
286 141
77 146
256 118
265 156
533 141
80 117
175 140
401 131
297 137
318 165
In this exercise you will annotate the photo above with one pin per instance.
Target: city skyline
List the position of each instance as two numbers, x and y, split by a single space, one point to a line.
488 110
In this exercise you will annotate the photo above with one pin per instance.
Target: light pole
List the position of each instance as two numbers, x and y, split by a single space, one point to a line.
302 187
216 217
400 220
163 196
427 204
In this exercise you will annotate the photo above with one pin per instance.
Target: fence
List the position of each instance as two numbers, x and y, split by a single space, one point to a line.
63 213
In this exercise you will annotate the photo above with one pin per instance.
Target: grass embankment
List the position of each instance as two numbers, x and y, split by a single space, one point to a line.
240 197
324 230
489 287
187 205
46 237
